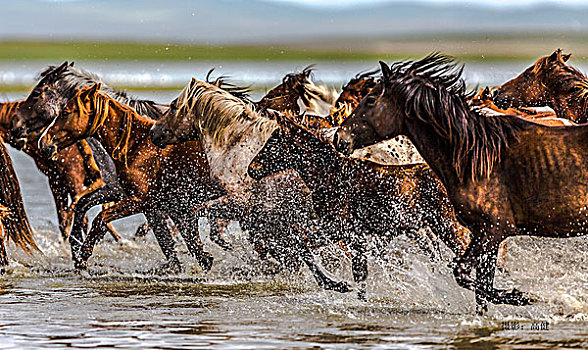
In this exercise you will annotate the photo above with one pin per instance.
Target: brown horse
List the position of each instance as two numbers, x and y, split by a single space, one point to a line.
355 197
71 176
484 101
156 181
504 176
549 82
14 223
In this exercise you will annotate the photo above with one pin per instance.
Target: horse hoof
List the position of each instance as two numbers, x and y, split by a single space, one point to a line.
206 262
224 244
362 292
518 298
81 265
341 287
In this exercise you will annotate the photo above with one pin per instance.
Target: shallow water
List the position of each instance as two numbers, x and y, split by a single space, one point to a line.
412 302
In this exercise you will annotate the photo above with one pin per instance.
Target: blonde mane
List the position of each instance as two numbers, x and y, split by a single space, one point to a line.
100 110
221 116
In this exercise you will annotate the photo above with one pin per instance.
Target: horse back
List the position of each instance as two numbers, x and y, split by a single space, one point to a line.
545 173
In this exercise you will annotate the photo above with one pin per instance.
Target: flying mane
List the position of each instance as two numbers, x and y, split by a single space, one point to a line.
75 78
221 116
434 93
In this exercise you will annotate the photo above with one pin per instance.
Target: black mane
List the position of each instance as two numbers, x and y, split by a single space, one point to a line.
434 92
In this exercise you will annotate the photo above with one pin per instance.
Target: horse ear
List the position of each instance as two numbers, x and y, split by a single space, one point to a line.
386 72
486 93
71 64
554 56
566 57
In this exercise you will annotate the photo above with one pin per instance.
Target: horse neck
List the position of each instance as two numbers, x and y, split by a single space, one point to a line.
119 123
319 166
435 150
569 100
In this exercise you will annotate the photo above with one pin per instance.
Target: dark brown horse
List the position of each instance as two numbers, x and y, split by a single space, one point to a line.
549 82
504 176
355 197
14 223
156 181
71 176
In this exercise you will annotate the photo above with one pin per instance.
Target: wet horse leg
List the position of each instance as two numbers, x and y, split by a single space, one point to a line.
323 278
218 213
187 224
60 197
126 207
102 195
157 221
359 264
485 271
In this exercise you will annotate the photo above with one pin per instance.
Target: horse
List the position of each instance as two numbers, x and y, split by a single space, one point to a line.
71 176
549 82
236 130
14 223
155 181
356 197
485 102
57 85
504 176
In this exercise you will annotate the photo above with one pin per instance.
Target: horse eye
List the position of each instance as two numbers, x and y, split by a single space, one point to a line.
370 100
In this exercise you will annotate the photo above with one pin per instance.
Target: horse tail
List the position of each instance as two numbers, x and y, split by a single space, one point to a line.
14 223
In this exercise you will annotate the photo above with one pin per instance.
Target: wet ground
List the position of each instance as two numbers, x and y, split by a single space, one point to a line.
413 302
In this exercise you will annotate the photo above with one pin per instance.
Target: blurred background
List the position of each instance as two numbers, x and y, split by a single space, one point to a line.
154 45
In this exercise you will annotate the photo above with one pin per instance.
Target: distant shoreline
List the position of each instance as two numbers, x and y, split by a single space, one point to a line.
472 48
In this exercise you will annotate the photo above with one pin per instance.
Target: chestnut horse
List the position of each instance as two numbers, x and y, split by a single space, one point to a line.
549 82
356 197
504 176
155 181
71 176
57 85
14 223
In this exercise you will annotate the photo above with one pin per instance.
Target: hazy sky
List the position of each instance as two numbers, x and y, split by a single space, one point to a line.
256 21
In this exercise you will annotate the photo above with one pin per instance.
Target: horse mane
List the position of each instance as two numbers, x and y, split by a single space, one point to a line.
221 116
434 93
241 92
101 104
73 78
14 223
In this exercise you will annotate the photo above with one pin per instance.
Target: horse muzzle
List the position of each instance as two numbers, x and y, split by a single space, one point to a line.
343 142
48 149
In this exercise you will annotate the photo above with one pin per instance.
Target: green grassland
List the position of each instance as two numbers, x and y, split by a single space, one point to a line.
468 47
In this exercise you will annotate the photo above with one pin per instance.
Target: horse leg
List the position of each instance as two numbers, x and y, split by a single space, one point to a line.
323 278
60 197
127 206
485 271
217 211
427 242
157 222
359 263
187 224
